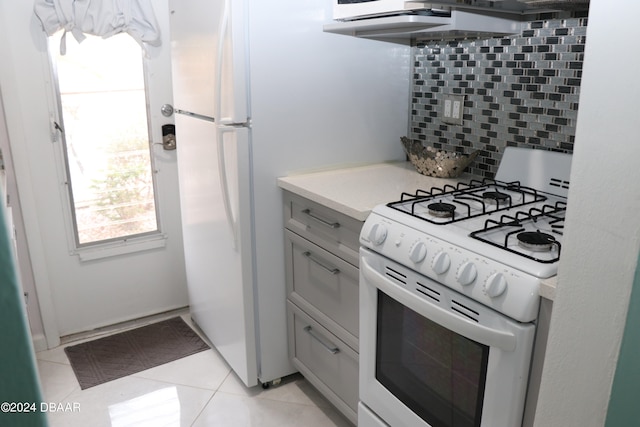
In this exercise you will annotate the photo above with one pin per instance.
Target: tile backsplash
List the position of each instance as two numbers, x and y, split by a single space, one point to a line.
520 90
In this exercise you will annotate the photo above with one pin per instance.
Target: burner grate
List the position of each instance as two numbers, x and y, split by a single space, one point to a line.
473 199
524 227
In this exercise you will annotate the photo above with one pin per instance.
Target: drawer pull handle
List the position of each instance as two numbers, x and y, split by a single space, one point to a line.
321 220
329 347
331 270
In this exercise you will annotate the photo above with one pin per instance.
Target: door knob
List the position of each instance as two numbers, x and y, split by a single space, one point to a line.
166 110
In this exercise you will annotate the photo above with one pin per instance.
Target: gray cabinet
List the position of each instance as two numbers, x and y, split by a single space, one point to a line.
321 251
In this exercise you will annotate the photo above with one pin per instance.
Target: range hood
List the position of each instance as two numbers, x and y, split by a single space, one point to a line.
449 19
401 28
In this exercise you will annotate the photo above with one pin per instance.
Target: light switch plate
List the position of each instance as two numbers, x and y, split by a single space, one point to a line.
452 109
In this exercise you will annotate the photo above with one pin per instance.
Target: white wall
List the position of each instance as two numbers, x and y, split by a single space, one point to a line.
13 101
602 236
25 273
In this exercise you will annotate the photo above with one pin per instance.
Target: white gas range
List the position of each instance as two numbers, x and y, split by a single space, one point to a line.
464 263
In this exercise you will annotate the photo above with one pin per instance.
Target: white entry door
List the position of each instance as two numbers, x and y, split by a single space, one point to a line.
82 290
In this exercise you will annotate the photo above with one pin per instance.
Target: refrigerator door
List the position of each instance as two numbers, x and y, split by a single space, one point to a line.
218 247
232 102
195 29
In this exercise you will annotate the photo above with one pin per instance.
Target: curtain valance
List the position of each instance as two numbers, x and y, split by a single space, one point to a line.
101 18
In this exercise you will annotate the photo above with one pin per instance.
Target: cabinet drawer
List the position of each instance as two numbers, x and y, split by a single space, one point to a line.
332 230
323 285
328 363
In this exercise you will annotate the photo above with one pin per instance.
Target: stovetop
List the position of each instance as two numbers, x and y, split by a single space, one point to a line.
506 216
493 240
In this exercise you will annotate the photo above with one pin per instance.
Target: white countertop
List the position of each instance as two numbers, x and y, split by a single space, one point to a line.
548 288
355 191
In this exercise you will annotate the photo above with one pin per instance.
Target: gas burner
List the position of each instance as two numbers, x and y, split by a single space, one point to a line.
495 197
441 210
536 241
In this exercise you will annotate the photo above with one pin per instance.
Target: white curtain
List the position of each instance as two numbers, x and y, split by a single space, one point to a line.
101 18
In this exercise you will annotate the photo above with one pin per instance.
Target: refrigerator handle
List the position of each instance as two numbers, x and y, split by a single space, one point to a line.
222 34
224 184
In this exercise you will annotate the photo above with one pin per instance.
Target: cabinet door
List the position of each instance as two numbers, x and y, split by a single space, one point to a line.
323 226
325 361
323 285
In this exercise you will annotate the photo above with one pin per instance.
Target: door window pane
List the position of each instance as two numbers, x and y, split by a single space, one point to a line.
104 114
437 373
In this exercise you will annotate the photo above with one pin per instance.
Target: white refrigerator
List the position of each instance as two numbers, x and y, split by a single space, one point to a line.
260 92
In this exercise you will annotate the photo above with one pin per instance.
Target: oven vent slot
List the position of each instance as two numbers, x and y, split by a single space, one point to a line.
560 183
427 291
396 275
465 311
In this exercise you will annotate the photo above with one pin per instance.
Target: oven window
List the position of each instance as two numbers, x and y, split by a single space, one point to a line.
438 374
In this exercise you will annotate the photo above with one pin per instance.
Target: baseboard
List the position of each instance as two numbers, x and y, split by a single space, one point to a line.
39 342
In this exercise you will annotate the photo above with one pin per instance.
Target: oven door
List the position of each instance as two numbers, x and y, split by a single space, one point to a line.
430 356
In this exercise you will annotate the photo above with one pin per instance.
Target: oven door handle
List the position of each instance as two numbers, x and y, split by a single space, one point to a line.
474 331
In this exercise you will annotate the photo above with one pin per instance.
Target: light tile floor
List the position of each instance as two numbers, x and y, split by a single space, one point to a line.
199 391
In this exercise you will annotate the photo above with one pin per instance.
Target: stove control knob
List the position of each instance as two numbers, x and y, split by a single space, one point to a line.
495 285
466 273
377 234
418 252
441 262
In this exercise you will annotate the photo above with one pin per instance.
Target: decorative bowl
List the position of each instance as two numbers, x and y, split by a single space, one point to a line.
433 162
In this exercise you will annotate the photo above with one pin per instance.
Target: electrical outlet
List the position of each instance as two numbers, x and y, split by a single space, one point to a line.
452 109
457 108
447 108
